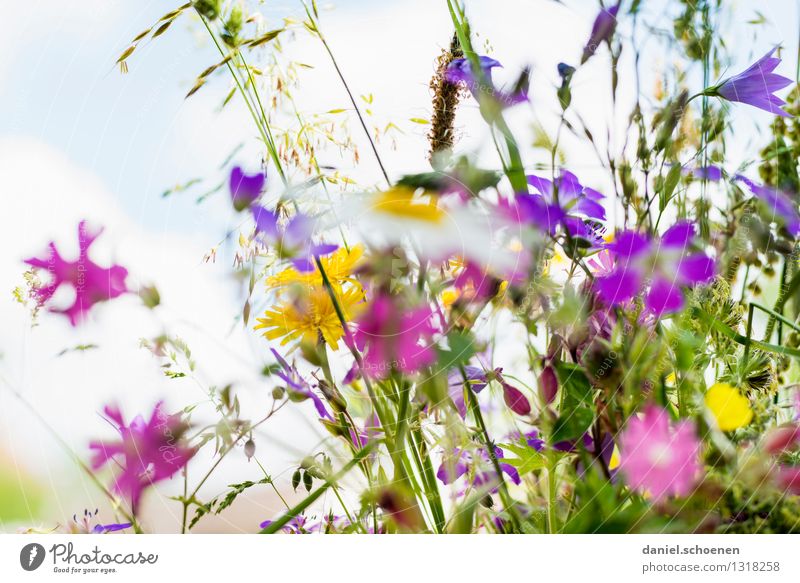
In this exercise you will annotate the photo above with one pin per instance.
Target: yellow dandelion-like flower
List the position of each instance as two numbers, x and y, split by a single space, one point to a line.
339 267
401 202
729 407
311 315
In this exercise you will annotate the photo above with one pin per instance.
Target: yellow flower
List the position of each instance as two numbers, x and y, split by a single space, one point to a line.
449 296
311 315
729 407
400 201
339 266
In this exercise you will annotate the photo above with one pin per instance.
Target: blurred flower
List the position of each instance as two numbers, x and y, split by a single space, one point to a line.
310 314
729 407
91 283
245 188
657 457
395 337
295 242
782 439
777 203
788 478
605 23
297 385
667 263
755 86
147 452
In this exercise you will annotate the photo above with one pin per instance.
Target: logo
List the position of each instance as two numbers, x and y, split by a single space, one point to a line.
31 556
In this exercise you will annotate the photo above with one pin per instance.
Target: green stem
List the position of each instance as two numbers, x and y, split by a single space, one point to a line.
276 525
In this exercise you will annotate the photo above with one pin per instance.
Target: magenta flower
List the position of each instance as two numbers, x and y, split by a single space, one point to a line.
755 86
295 241
245 188
460 71
91 283
146 453
658 457
602 30
395 338
669 264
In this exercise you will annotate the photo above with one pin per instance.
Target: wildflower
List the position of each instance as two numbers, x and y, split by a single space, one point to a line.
476 381
777 203
245 188
84 525
310 315
295 242
395 338
339 266
670 266
563 202
605 23
659 457
146 453
475 283
461 461
401 202
755 86
728 406
91 283
461 71
297 386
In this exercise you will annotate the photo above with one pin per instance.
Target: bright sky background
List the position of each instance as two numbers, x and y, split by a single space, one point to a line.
80 140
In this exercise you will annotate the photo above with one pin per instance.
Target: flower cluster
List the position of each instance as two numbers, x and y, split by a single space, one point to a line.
502 348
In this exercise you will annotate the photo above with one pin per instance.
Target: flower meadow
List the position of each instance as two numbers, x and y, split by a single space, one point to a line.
496 343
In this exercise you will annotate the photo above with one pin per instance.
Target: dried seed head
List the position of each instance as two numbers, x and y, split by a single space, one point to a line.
446 96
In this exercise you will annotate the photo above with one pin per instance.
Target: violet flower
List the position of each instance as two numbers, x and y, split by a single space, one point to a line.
755 86
297 386
461 461
668 264
295 242
605 23
460 71
84 524
566 202
91 283
477 379
147 451
245 188
778 204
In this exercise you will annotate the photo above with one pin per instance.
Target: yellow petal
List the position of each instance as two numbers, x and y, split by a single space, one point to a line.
729 407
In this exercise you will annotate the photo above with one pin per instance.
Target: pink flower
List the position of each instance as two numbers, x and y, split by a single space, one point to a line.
658 457
147 451
394 338
91 283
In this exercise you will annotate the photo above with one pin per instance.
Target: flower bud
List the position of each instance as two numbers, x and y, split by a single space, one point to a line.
548 384
250 449
781 439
